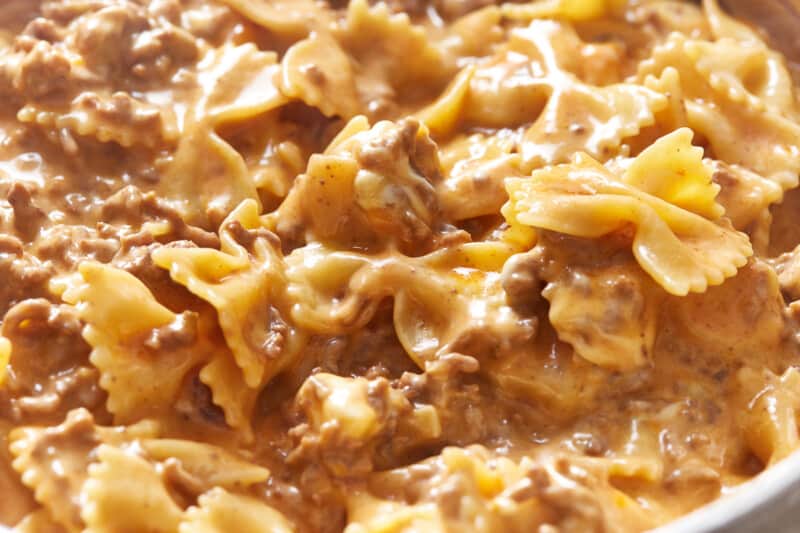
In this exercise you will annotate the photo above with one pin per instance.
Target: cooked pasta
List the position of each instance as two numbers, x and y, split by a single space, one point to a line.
328 266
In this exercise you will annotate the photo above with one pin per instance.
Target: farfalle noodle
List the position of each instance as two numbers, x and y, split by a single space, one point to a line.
475 167
234 84
280 17
126 346
219 511
389 48
681 250
720 106
120 484
239 283
54 461
318 72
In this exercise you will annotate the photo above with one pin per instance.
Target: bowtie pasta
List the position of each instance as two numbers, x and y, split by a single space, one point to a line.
358 266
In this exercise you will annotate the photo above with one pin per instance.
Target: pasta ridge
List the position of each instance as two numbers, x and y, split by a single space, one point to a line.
723 120
32 446
218 511
120 484
124 343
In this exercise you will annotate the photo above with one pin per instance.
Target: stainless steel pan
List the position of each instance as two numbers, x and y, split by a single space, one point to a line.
769 503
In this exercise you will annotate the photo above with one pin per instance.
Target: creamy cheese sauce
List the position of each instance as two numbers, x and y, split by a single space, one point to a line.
300 265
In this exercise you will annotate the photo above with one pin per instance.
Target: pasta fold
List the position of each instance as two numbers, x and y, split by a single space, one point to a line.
317 71
674 170
739 109
405 55
54 461
219 511
682 251
141 373
121 485
537 79
213 465
234 83
288 18
242 281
